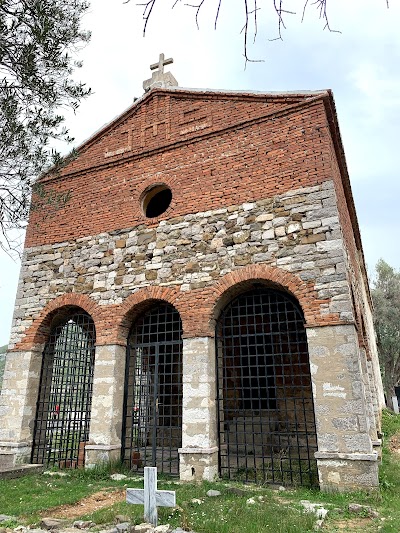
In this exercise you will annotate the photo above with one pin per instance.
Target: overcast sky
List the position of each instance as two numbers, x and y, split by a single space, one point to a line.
360 64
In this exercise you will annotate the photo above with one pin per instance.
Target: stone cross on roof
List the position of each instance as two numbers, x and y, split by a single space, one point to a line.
159 78
161 63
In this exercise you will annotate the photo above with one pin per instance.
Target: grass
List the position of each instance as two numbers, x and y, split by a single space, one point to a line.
33 497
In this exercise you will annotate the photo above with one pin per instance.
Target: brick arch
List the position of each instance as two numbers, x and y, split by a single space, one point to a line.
244 278
39 331
139 302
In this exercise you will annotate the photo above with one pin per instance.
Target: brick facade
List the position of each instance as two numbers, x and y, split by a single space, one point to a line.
260 195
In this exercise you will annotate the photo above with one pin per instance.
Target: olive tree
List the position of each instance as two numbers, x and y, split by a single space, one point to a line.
39 41
386 298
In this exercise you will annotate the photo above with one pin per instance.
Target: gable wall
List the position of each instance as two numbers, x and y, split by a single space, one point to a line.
167 120
238 165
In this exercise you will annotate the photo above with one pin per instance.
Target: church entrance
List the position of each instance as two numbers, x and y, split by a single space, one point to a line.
65 393
265 407
152 431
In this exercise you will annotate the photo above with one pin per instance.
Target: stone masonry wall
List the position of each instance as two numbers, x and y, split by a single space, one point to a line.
297 231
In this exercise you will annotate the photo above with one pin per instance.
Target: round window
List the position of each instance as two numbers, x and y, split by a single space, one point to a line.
156 201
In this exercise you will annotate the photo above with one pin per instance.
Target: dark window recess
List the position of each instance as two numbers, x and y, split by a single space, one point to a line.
152 427
265 405
65 395
159 203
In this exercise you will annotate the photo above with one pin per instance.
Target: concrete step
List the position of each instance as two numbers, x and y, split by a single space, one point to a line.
20 470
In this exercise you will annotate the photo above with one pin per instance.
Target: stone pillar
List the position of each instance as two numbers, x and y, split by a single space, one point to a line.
345 457
107 405
199 452
369 397
18 405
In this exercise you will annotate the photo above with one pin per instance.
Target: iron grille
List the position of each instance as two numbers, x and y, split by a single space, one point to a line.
65 394
152 430
265 406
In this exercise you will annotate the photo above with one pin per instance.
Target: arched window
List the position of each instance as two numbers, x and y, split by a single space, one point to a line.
65 393
152 430
266 415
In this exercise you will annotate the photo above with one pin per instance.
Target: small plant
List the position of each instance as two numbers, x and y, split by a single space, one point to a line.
242 507
9 524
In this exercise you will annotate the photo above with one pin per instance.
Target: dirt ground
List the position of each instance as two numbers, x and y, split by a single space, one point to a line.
394 444
353 524
89 504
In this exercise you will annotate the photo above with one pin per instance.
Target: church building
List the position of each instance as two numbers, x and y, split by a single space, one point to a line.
199 299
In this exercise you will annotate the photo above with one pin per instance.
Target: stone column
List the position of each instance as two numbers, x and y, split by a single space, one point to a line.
18 401
345 457
199 452
107 405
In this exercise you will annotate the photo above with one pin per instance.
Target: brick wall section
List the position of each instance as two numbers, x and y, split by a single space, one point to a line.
251 178
198 309
165 118
259 159
292 241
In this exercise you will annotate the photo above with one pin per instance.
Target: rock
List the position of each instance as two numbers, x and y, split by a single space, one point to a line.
162 529
20 529
124 526
83 524
145 527
118 477
180 530
251 501
3 530
213 493
281 489
316 508
318 524
241 236
120 518
7 518
52 523
196 500
359 509
57 474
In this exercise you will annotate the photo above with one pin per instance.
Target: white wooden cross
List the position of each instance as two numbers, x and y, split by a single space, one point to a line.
150 497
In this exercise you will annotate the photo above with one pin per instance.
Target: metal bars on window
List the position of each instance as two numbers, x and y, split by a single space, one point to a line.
65 393
265 407
152 429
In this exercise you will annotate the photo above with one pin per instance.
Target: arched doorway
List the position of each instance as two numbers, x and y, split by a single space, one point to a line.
265 407
65 392
152 430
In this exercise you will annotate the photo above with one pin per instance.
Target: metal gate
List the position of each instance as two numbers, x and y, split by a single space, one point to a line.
152 430
265 407
65 393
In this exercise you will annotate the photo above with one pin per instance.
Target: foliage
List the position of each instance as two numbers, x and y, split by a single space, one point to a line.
39 40
31 497
386 298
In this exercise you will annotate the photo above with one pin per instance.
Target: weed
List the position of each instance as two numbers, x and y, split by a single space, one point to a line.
30 497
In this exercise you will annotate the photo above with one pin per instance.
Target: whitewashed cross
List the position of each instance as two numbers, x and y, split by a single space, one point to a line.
150 497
